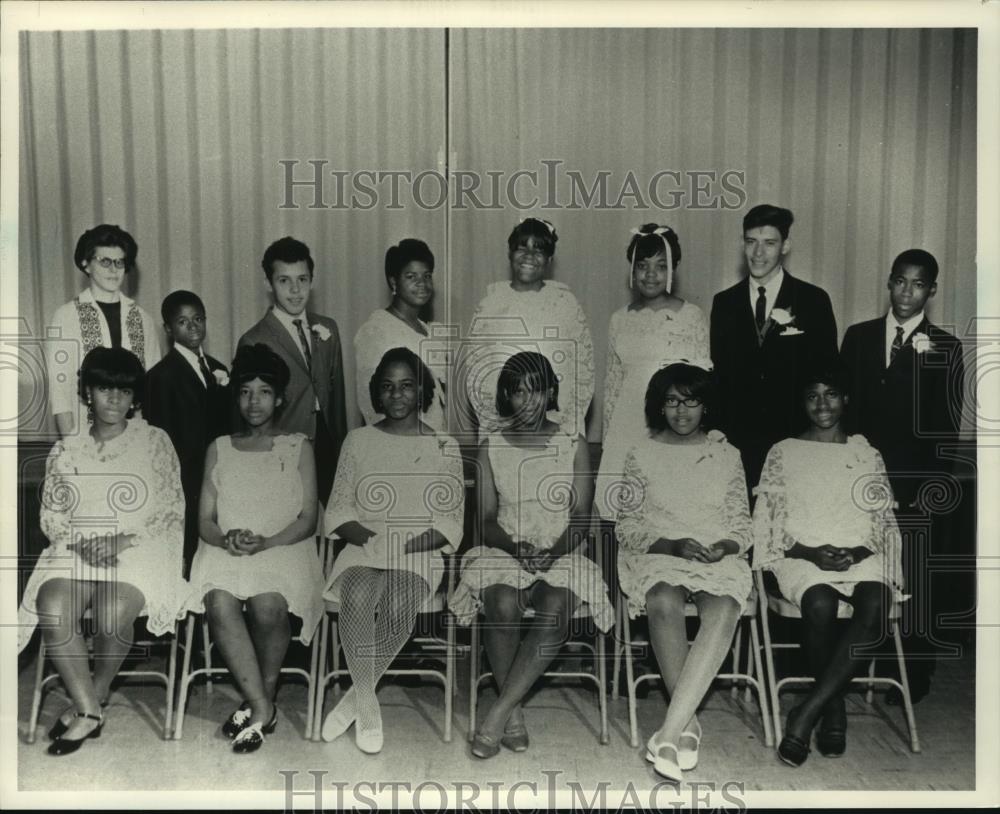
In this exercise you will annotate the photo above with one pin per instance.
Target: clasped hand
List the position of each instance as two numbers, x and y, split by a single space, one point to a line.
243 542
688 548
533 559
101 550
833 558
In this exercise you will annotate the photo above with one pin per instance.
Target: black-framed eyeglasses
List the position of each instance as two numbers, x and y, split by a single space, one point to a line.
107 262
690 402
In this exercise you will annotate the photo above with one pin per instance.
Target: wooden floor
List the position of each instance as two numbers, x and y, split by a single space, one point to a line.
562 720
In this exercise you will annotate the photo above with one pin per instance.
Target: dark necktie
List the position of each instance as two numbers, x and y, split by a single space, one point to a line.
897 343
206 373
304 341
760 308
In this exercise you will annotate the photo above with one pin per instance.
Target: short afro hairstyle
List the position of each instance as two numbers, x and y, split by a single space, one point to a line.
106 235
405 356
176 300
532 368
112 367
542 231
831 372
287 250
916 257
259 362
689 380
769 215
407 251
647 244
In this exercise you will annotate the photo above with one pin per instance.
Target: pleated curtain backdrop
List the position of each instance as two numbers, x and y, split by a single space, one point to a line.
869 136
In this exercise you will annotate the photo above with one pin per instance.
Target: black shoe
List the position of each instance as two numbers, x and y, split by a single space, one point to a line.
251 738
793 750
919 690
63 746
831 739
237 722
59 728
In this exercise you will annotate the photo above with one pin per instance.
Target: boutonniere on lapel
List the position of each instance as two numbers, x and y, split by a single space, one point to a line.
321 331
221 377
921 342
785 321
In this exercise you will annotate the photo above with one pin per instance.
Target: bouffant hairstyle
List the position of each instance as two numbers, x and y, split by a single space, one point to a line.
112 367
542 231
259 362
769 215
648 244
831 372
689 380
106 235
406 251
287 250
916 257
425 379
535 370
176 300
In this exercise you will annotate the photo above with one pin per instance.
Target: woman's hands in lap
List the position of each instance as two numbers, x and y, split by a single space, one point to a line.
101 550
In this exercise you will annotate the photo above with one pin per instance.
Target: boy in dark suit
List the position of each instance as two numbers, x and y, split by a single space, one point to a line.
905 378
765 330
187 395
310 345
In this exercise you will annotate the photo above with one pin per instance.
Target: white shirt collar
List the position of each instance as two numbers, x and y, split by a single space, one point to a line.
192 359
909 326
771 289
286 319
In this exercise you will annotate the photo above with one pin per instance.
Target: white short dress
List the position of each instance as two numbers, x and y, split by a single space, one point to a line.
261 491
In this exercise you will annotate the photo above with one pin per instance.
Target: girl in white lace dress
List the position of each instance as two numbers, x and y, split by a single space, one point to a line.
824 525
409 270
655 329
534 497
529 313
398 502
684 530
113 510
257 516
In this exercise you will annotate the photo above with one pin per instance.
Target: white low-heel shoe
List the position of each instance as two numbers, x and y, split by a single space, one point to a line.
339 719
663 764
687 759
369 741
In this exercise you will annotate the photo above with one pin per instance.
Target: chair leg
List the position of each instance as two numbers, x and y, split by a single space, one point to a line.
911 721
633 718
772 678
870 686
602 678
734 689
207 651
311 689
449 675
334 644
617 645
762 687
185 677
473 676
168 723
321 677
36 695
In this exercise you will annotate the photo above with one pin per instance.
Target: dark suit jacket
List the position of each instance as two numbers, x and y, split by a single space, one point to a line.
193 416
325 383
908 408
758 399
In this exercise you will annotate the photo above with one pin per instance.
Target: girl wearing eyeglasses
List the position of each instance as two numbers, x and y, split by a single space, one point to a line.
100 316
683 529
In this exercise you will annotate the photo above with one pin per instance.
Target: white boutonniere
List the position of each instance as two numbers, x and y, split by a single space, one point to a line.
321 331
922 343
221 377
785 320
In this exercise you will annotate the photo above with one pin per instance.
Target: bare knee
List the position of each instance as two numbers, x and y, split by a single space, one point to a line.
555 606
871 604
664 603
58 600
220 604
268 610
819 606
503 604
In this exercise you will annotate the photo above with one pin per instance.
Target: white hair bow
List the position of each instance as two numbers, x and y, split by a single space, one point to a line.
662 232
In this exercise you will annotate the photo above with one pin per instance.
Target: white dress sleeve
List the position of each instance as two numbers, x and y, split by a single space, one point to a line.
615 374
632 527
736 507
59 498
343 506
63 356
584 366
164 524
368 342
446 495
770 514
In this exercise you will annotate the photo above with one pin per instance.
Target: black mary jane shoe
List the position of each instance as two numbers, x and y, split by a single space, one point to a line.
59 728
238 721
251 737
63 746
792 749
831 738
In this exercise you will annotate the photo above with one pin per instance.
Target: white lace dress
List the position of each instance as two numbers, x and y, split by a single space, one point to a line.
396 485
549 321
262 492
129 485
534 487
381 332
683 490
817 493
640 343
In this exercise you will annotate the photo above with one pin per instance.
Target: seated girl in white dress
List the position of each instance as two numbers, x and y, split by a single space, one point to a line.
113 510
398 502
824 525
684 530
535 493
257 517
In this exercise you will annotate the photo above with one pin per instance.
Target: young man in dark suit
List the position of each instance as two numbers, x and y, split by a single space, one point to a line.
187 395
310 345
905 378
765 330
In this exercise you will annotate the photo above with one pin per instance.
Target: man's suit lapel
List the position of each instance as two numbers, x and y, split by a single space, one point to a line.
284 339
192 381
786 300
906 354
320 351
744 317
